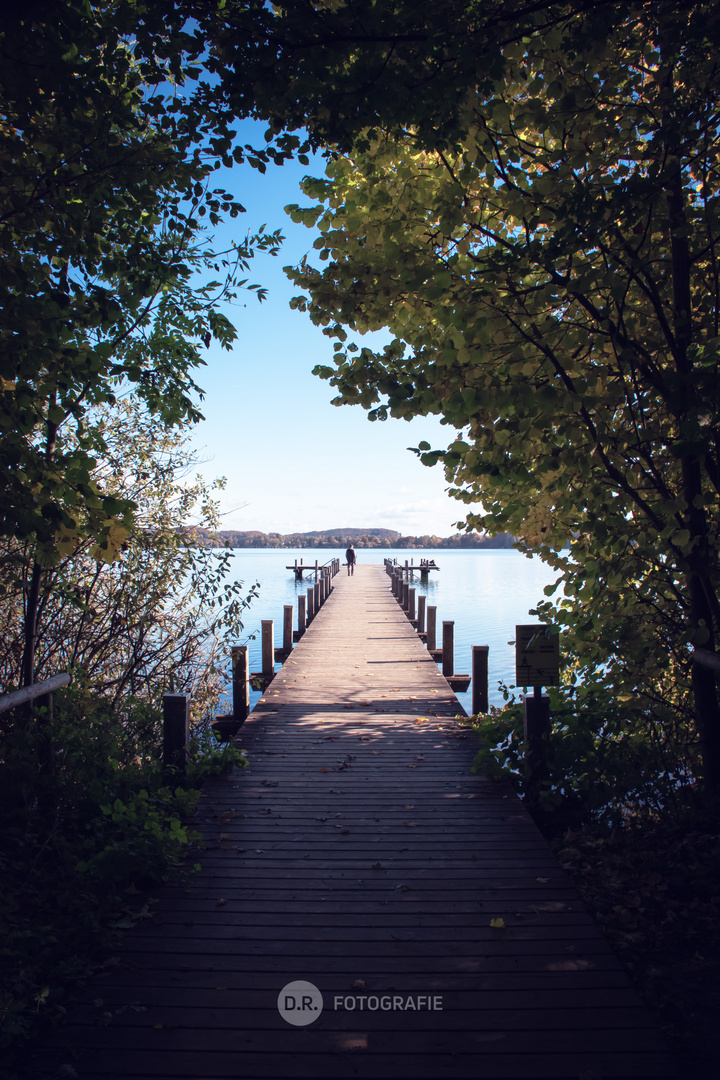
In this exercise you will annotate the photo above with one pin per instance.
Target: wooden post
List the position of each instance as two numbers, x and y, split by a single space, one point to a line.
176 730
536 721
405 591
287 627
448 648
318 601
46 752
310 605
480 702
302 617
431 628
268 647
240 682
421 614
411 605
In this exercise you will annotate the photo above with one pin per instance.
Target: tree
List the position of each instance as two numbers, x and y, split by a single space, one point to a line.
549 269
158 616
106 274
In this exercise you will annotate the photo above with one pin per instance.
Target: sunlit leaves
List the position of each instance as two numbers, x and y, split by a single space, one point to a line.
532 273
105 178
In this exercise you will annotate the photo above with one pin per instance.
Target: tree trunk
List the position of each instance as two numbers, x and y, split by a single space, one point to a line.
702 602
30 629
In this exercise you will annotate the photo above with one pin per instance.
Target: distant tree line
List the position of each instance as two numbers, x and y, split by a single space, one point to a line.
375 538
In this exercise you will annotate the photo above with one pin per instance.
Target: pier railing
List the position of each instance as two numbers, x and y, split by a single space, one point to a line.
41 692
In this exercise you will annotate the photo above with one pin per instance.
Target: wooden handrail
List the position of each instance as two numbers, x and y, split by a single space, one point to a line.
29 693
706 658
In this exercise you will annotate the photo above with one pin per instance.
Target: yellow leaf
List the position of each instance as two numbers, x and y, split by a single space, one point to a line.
498 924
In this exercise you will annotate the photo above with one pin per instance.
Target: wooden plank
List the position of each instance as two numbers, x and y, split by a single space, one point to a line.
359 853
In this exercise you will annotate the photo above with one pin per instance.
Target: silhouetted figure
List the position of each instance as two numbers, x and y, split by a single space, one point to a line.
350 556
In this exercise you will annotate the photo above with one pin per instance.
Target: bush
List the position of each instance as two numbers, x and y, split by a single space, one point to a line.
84 841
609 760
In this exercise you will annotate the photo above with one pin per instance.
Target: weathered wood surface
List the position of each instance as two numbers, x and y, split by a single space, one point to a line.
359 853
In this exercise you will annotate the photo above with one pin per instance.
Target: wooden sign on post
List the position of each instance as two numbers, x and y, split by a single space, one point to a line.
537 655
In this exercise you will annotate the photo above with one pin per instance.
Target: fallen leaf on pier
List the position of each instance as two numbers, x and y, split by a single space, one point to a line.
497 924
324 769
421 720
225 836
543 880
220 902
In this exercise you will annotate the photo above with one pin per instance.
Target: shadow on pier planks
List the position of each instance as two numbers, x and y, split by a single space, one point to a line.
358 853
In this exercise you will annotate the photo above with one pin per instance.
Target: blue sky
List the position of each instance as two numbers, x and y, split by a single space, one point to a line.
293 461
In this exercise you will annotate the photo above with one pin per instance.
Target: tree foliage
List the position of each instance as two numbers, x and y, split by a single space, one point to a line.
160 615
107 276
547 265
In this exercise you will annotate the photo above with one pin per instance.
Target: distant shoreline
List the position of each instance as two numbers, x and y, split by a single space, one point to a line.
338 538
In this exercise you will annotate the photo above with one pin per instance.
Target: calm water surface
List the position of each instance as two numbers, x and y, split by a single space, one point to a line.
486 593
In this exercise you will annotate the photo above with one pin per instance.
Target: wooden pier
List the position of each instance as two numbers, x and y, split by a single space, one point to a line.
358 853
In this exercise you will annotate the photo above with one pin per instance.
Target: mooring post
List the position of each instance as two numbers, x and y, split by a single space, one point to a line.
421 614
176 730
318 600
268 647
480 702
310 605
405 596
240 682
431 628
287 627
448 648
411 605
302 617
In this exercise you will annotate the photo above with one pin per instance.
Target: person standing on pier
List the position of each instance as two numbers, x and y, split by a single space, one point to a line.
350 556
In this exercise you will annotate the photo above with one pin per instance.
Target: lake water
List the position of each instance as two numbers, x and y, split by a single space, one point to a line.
485 592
